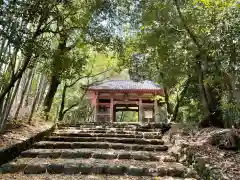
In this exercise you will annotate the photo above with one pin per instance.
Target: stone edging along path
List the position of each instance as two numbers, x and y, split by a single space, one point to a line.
12 151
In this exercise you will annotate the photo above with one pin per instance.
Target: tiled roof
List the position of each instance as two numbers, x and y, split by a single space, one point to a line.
126 85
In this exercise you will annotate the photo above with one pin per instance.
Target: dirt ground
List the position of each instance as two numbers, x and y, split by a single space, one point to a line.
21 131
198 141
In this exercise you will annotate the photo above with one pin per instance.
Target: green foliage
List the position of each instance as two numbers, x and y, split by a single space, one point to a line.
82 42
164 49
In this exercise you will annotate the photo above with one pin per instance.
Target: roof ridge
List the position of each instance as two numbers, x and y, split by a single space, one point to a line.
119 84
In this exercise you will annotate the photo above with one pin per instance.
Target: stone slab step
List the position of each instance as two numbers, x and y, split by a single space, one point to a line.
105 139
83 134
98 154
100 124
102 145
114 129
94 166
108 131
116 125
47 176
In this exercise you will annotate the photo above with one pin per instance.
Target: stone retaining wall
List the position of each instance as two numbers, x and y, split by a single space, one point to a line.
9 153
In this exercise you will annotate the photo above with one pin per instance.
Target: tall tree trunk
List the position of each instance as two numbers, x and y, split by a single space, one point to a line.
54 83
232 75
89 113
166 98
30 48
3 51
3 110
14 78
179 99
25 88
202 90
28 89
42 93
61 114
11 95
35 99
211 100
9 105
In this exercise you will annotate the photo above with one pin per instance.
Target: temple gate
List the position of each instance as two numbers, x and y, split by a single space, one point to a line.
112 96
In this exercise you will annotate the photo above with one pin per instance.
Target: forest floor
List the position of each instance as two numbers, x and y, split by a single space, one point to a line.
199 142
20 131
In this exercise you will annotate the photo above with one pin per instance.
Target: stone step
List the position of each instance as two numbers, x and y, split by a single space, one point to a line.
114 129
108 131
83 134
47 176
98 154
94 166
105 139
115 125
102 145
100 124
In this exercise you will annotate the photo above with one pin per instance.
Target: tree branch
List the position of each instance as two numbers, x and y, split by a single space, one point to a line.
190 33
88 76
75 104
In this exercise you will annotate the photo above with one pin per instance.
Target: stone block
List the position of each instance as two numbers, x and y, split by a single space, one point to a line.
124 155
138 147
98 169
12 167
115 170
69 154
85 168
141 157
117 146
103 145
135 171
104 156
35 169
55 168
71 169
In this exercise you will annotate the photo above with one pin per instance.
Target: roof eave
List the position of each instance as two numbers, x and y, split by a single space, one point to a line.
159 91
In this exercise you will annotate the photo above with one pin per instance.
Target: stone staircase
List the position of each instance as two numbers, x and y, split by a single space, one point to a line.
89 151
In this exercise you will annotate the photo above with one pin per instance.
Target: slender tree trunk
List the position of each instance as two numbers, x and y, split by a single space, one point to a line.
28 89
42 93
89 114
54 83
25 87
3 110
14 78
166 97
11 95
25 62
211 100
179 100
35 99
202 90
3 51
61 114
6 115
232 75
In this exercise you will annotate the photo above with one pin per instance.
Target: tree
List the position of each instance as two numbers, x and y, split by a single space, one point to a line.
23 28
179 39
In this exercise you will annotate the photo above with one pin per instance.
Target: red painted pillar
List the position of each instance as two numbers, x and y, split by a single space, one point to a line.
140 113
96 108
111 110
